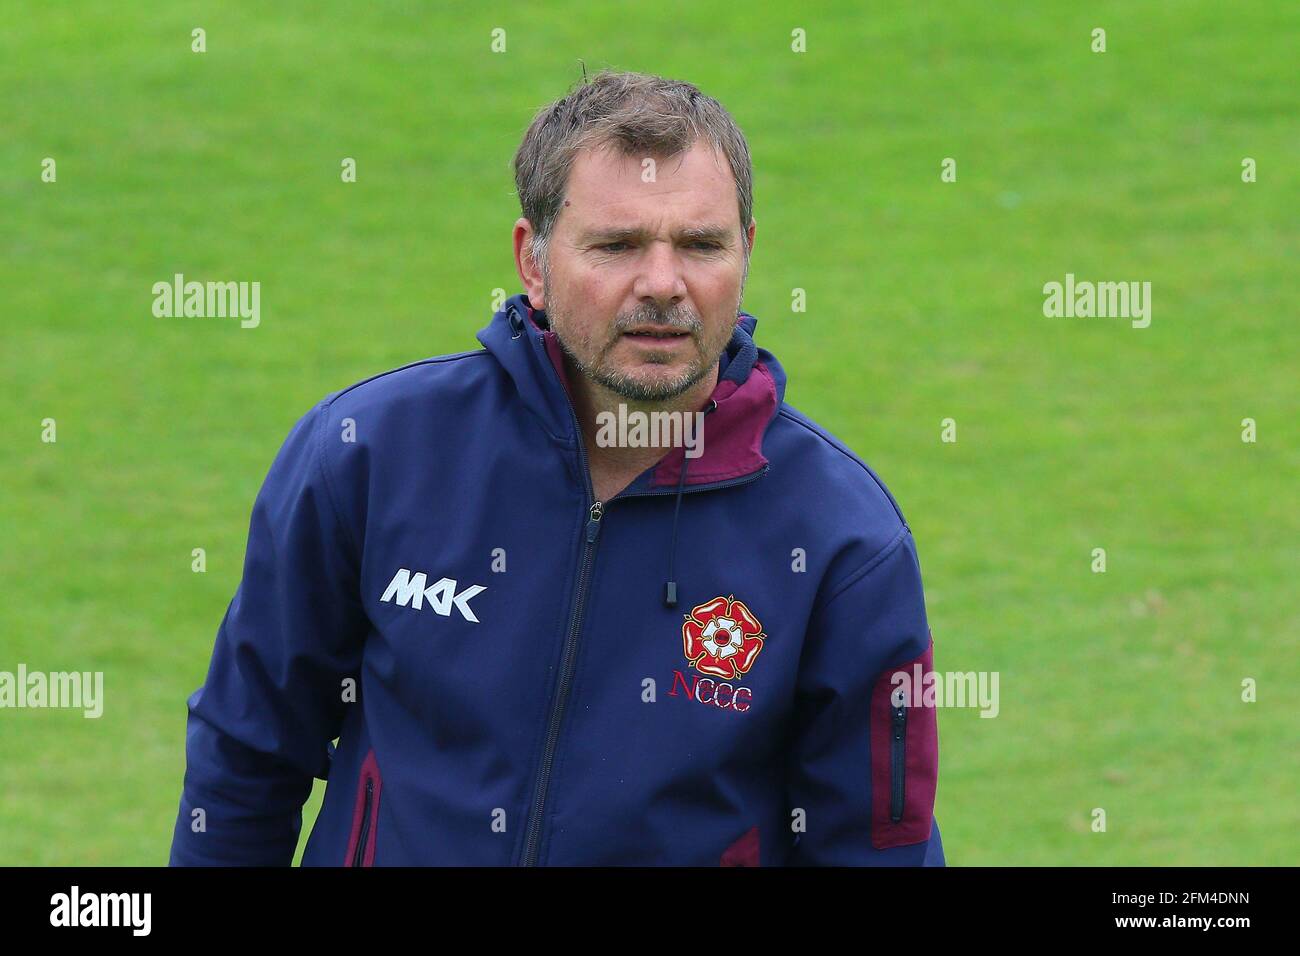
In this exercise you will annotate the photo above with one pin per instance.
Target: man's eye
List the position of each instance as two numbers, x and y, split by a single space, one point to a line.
703 244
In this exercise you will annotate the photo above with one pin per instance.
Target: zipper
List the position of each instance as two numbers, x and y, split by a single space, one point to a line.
594 515
898 762
533 840
595 511
365 825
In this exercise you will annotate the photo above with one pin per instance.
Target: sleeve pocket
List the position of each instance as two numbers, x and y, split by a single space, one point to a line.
904 754
365 815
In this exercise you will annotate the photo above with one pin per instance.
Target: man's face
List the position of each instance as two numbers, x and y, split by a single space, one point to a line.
645 278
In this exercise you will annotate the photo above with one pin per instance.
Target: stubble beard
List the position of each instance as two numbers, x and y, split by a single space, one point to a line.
629 385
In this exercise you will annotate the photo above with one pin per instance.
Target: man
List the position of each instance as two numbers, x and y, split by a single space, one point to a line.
540 638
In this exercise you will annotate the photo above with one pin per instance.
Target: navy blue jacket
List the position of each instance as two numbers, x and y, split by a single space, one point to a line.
695 672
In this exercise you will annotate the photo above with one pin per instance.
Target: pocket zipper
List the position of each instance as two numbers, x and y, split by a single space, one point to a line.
365 825
898 760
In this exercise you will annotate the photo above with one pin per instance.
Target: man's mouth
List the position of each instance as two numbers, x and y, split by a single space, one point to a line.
657 333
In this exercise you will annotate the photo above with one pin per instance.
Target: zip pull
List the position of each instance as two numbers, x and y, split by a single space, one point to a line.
898 755
593 522
900 722
898 713
359 857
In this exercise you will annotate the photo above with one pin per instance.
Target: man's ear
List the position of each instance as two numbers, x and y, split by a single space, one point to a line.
530 273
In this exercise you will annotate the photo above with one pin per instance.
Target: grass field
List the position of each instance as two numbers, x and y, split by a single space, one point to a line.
1119 690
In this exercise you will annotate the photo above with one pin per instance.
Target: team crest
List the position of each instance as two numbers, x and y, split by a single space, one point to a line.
722 638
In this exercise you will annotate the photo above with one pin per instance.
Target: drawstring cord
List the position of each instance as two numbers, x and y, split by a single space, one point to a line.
670 586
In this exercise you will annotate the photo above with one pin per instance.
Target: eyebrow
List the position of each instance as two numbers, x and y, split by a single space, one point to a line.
712 233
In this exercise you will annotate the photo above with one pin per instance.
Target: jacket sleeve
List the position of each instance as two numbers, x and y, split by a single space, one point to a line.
259 728
864 769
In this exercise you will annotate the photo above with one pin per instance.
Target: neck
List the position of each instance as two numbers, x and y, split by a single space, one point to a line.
591 399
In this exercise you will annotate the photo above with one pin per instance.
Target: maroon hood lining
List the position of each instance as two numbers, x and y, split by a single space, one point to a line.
733 433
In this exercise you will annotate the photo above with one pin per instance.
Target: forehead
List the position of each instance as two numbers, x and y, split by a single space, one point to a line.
606 187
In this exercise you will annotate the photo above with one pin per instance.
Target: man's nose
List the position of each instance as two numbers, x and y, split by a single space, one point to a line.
661 277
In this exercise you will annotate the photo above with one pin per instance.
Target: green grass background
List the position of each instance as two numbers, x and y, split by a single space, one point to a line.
1119 690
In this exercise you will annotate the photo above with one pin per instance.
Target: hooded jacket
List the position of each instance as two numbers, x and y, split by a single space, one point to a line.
695 672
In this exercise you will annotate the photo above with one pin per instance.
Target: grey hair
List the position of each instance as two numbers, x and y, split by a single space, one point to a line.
640 114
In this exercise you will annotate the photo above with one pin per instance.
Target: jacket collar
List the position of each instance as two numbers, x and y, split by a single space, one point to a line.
750 389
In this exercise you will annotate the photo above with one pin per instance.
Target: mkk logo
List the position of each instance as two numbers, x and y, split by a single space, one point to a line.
409 589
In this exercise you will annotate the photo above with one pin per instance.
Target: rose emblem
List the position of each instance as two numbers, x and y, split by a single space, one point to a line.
722 638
